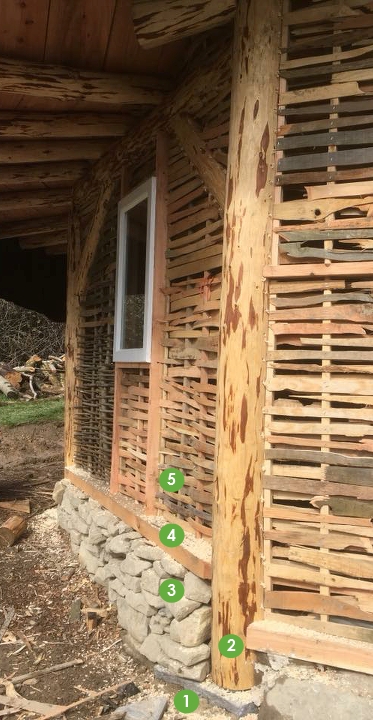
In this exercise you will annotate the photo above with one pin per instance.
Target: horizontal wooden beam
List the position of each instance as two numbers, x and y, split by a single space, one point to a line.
319 270
41 151
41 175
46 240
34 126
266 636
190 139
25 204
55 82
56 250
126 510
34 226
158 22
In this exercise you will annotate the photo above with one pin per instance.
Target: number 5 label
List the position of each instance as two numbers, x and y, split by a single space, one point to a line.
171 480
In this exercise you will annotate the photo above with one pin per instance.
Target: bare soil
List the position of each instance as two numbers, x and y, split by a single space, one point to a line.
40 579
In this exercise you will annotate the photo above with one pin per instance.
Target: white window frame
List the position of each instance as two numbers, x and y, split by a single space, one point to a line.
145 191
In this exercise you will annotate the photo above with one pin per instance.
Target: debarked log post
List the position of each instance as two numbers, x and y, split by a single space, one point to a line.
237 589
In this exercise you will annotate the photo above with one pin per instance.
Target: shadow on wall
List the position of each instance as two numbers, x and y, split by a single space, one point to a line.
33 279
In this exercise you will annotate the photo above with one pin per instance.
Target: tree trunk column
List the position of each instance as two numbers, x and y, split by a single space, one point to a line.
237 571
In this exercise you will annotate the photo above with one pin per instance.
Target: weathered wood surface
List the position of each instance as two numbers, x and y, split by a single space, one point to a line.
19 126
237 589
39 80
158 22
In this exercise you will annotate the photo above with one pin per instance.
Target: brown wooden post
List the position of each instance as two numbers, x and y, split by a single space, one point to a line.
237 589
159 311
71 337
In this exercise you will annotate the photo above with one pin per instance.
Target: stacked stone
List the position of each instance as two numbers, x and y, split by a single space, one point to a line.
173 635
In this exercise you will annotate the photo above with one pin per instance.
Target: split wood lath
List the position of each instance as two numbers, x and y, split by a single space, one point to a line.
318 486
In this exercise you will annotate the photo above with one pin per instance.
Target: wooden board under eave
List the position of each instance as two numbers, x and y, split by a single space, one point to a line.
237 592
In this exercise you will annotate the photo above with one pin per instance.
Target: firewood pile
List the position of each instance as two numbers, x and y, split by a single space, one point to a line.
36 378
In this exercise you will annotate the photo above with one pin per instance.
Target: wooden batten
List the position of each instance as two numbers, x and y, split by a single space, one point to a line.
93 237
158 22
43 201
71 338
34 226
42 151
237 590
38 80
159 311
48 240
41 175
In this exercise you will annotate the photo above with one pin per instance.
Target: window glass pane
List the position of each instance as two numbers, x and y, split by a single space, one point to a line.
135 263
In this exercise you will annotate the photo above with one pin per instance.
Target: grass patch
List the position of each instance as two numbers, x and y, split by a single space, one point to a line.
16 412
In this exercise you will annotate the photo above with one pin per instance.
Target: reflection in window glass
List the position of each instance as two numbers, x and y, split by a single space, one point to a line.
134 288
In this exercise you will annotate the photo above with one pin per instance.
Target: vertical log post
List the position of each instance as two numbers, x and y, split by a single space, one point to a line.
159 311
237 572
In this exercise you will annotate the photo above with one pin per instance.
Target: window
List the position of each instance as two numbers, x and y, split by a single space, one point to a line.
134 286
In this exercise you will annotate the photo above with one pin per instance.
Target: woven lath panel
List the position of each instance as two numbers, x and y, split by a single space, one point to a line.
194 258
94 417
319 416
133 431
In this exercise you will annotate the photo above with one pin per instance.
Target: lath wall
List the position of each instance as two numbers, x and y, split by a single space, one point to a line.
95 370
192 287
318 483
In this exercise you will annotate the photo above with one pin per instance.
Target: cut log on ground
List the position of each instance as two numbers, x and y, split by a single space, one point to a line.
7 389
12 530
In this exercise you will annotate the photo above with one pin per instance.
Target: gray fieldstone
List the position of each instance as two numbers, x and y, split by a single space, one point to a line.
194 629
103 575
138 603
136 624
159 569
293 699
153 600
132 583
75 537
152 709
75 548
186 656
196 589
150 581
93 504
85 512
173 568
77 523
134 566
183 608
118 546
76 496
133 535
66 503
198 672
152 649
95 535
123 527
159 623
102 518
63 519
113 596
148 552
93 549
89 561
118 587
59 491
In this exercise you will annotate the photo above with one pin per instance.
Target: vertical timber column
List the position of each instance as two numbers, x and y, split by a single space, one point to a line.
71 337
237 571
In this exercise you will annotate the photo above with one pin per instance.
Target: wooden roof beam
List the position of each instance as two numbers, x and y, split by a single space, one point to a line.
34 126
34 226
25 204
41 175
45 240
158 22
41 151
55 82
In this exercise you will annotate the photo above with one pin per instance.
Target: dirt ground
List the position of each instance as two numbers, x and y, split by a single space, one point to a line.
39 581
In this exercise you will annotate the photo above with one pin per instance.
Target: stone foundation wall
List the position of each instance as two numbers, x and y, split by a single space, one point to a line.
174 635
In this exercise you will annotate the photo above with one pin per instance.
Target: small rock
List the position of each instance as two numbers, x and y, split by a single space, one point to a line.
173 568
158 624
152 709
119 546
194 629
75 537
118 587
183 608
186 656
138 603
134 566
95 535
150 581
63 519
89 561
153 600
136 623
77 523
151 649
159 569
148 552
59 491
196 589
103 575
132 583
197 672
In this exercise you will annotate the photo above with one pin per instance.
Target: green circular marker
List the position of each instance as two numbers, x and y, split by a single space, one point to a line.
171 535
231 646
171 480
186 701
171 590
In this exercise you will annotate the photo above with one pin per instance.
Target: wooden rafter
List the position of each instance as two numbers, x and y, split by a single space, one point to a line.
22 177
40 151
20 126
158 22
211 172
61 83
43 241
21 203
35 226
93 237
